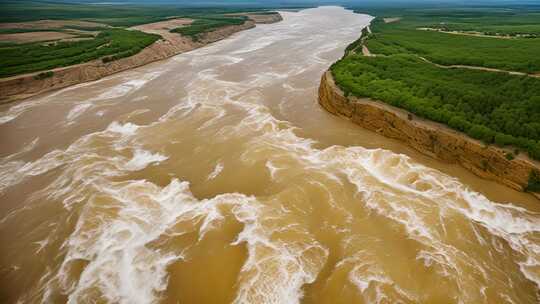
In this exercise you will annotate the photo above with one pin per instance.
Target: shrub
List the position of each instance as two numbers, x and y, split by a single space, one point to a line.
482 133
534 182
44 75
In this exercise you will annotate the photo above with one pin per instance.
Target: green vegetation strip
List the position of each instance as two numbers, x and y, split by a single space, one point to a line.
125 15
111 44
516 54
493 107
204 25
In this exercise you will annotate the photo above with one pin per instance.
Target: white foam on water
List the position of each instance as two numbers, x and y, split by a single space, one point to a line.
13 172
258 44
118 91
120 262
124 88
273 169
26 148
220 114
275 271
77 111
41 244
115 246
369 278
217 170
142 158
515 225
18 109
113 236
124 129
140 98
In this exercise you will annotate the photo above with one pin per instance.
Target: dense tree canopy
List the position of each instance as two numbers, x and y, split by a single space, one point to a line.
493 107
114 43
512 54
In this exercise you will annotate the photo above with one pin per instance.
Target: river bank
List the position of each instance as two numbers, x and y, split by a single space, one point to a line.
24 86
428 137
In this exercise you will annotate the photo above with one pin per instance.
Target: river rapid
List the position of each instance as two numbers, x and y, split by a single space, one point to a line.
215 177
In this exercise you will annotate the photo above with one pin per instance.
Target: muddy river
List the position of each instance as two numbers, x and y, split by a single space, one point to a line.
215 177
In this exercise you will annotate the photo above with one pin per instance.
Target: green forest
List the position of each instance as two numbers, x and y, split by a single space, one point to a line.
512 54
203 25
492 20
114 15
493 107
111 44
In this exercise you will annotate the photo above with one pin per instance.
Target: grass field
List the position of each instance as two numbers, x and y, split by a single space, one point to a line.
494 107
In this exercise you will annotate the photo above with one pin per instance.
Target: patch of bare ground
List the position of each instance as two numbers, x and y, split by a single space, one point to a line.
162 26
391 20
81 32
163 29
50 24
366 52
260 18
474 34
460 66
35 37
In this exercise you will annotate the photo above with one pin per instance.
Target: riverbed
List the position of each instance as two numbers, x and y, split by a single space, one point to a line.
215 177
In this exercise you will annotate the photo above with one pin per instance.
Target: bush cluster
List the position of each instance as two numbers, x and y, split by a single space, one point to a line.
534 182
44 75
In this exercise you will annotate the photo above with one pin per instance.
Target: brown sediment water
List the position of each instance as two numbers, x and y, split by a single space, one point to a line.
215 177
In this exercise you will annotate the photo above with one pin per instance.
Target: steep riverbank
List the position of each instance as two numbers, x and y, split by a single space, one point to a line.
28 85
428 137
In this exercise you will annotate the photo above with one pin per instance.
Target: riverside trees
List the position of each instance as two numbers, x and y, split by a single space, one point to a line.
493 107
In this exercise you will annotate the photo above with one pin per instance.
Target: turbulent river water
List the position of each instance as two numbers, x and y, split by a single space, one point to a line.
215 177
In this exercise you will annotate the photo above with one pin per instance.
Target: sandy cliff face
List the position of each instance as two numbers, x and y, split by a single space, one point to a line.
24 86
428 137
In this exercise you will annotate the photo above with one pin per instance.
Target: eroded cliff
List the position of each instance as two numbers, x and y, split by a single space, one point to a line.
428 137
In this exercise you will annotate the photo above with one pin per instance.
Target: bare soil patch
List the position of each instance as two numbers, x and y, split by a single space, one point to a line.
50 24
474 34
163 28
35 37
258 17
391 20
